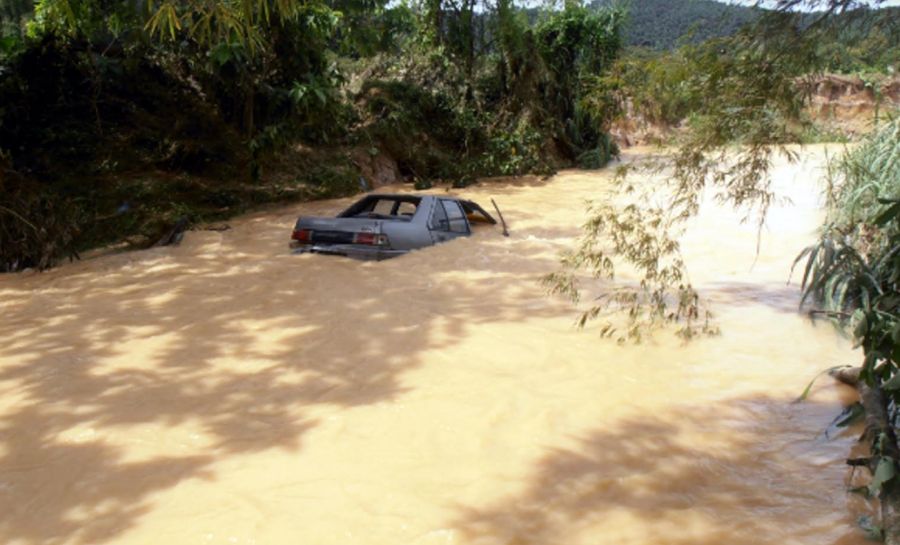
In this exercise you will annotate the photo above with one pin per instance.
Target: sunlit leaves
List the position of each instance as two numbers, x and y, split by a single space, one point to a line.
743 102
859 179
207 22
165 21
627 228
211 22
854 270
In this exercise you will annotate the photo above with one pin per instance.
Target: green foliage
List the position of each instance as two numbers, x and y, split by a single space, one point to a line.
859 178
576 41
601 155
855 266
805 394
740 91
853 272
885 471
740 100
578 45
331 181
644 236
92 91
812 133
512 111
36 229
68 113
514 152
853 43
13 12
850 415
664 24
857 261
859 46
658 87
424 131
669 87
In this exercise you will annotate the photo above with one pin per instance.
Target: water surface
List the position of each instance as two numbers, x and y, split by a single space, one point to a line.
227 392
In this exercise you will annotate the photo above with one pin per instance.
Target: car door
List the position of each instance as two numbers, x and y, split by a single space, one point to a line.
448 221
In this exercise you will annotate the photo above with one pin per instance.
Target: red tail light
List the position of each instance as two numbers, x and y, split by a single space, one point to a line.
370 238
302 235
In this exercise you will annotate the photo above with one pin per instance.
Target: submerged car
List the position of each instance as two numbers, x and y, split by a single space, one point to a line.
383 226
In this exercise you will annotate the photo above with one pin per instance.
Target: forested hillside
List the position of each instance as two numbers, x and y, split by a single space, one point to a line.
663 24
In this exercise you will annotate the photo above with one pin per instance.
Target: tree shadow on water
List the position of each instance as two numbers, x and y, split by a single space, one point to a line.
753 471
217 349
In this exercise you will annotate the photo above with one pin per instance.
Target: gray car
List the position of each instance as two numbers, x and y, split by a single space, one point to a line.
383 226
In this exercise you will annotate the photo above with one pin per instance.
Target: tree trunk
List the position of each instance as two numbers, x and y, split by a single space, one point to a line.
877 426
248 113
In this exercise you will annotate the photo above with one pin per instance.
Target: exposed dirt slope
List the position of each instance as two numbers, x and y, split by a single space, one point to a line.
839 105
850 104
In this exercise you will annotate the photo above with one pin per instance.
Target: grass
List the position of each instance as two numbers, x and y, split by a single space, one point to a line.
860 177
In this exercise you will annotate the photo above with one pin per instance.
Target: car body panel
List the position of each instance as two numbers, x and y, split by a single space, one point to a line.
398 222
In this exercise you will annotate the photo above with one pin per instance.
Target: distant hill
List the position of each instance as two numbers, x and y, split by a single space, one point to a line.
660 24
664 24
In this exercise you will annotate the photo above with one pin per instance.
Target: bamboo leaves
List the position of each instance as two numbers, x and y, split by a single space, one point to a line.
165 21
809 386
645 237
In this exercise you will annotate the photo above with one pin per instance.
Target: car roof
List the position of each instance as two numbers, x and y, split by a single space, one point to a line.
406 197
414 197
470 207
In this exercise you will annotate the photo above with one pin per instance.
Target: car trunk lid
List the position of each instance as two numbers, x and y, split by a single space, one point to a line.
313 230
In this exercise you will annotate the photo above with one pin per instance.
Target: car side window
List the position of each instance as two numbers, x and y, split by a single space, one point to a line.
439 221
456 217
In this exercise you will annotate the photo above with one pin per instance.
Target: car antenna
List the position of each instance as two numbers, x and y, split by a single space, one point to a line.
502 221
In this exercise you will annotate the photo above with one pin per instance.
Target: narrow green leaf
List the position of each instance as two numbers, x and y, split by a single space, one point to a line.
809 386
862 327
887 215
850 415
884 472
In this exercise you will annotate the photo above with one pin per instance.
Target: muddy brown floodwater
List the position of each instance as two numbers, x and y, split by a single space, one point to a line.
228 392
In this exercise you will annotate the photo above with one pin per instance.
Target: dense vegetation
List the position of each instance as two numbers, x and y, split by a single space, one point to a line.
668 87
117 118
853 275
666 24
854 45
858 46
854 270
740 100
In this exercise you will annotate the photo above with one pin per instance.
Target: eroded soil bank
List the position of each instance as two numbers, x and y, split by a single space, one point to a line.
227 392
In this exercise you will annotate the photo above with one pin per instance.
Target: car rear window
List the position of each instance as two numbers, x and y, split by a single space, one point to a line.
406 208
401 208
384 207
